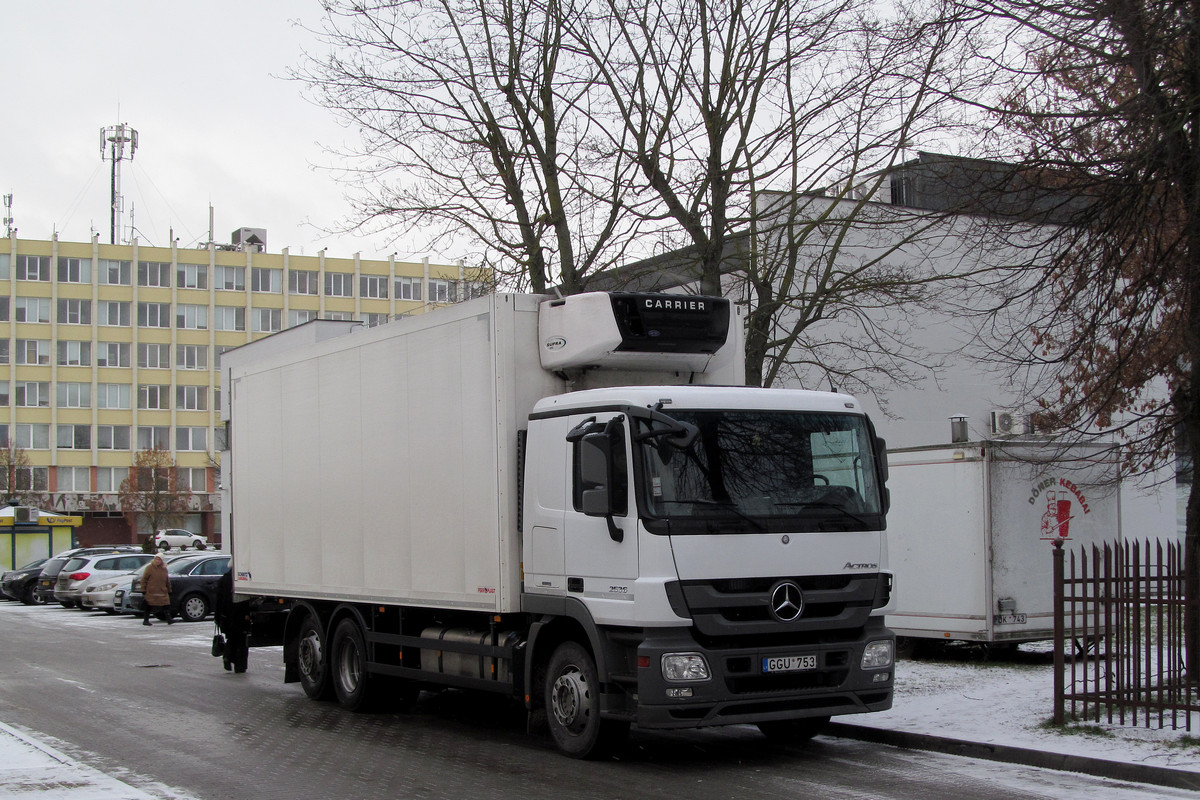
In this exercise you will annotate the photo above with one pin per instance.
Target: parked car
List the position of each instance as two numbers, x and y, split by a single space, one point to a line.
177 537
80 569
122 592
21 584
193 586
47 581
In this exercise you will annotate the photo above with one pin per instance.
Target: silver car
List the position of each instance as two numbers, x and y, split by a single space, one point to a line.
81 569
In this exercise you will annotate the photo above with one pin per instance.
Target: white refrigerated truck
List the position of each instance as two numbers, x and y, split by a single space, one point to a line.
557 500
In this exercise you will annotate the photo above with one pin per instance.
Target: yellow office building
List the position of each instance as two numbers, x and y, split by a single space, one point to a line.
112 349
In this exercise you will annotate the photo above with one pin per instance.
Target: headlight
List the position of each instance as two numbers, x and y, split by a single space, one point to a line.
684 667
104 587
877 655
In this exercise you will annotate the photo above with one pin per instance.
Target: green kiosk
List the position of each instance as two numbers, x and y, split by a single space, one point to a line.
27 534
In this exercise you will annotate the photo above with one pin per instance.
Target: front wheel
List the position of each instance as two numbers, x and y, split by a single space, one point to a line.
312 660
572 695
30 597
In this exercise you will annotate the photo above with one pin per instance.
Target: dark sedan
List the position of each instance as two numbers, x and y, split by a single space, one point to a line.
193 586
21 584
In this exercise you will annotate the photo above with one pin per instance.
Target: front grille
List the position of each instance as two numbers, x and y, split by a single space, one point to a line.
740 608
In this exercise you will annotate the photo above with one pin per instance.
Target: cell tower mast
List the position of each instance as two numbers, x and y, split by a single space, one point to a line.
117 143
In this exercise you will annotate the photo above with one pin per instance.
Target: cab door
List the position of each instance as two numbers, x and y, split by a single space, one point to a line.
601 552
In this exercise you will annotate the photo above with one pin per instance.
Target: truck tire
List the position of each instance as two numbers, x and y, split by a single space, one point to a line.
312 660
572 695
348 666
793 731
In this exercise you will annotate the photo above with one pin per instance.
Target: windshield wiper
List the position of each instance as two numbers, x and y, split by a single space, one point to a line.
827 504
727 506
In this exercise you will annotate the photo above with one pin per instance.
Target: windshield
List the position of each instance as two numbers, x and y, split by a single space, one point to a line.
763 470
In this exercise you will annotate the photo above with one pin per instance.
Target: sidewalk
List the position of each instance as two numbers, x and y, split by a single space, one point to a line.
30 768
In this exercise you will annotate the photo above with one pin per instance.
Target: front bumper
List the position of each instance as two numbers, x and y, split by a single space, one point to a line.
739 691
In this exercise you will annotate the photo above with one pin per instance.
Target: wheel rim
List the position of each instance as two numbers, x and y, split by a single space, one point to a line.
570 700
349 667
194 608
310 655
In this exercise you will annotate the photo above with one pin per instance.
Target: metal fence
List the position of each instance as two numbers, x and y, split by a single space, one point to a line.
1119 636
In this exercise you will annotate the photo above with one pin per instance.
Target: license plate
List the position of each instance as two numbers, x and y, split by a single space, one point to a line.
789 663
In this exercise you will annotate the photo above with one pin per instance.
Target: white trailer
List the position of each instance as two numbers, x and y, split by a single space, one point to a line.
972 527
557 500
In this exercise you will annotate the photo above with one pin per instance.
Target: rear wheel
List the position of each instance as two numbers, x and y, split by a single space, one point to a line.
572 695
792 731
164 545
193 608
348 666
312 660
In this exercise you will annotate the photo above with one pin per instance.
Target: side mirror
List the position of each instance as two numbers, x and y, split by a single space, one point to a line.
596 472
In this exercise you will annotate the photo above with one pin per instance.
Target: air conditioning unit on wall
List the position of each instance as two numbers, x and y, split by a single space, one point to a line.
1006 422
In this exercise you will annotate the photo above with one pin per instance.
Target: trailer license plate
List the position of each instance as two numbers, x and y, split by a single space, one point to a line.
789 663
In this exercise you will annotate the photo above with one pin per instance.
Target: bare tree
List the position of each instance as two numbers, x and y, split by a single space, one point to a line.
19 483
152 492
1097 109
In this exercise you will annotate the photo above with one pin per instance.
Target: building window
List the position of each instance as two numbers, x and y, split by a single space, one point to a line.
34 436
229 318
73 311
373 286
74 479
4 346
191 398
33 268
74 354
109 479
408 288
74 395
112 354
191 317
32 479
372 320
154 273
33 309
229 279
339 315
113 273
32 394
152 436
302 281
339 284
4 398
4 265
263 279
74 437
33 351
112 437
191 356
154 315
441 290
4 306
154 397
191 438
113 395
194 479
113 312
153 355
74 270
299 316
267 320
191 276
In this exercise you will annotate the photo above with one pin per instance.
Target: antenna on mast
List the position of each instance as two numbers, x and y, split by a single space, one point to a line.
8 217
117 143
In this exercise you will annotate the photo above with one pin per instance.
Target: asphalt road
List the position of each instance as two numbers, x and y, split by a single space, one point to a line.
152 706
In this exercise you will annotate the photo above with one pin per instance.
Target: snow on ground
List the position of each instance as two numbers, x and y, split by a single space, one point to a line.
1009 701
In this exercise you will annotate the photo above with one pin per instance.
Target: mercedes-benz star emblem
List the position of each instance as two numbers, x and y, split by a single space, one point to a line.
787 601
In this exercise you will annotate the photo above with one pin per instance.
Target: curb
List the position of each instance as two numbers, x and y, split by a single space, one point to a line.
1134 773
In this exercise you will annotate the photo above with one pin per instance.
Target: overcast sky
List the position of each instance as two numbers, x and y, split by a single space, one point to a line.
204 84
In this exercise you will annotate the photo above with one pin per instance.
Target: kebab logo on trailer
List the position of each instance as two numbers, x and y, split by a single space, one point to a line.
1064 502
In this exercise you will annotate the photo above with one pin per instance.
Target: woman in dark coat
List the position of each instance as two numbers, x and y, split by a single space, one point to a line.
156 591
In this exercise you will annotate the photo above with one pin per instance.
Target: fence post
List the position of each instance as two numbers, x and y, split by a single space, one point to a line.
1059 660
